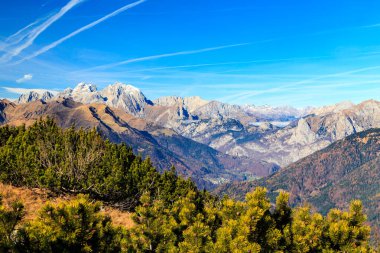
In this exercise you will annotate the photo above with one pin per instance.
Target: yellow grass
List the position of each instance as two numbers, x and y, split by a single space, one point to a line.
34 199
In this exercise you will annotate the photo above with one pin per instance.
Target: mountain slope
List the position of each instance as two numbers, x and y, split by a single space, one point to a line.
348 169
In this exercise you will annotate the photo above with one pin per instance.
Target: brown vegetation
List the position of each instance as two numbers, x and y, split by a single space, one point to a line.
34 199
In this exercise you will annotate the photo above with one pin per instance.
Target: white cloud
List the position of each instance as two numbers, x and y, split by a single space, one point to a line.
25 78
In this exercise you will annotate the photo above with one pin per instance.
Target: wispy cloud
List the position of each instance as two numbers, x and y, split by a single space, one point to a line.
159 56
26 39
25 78
25 90
17 37
285 88
225 63
82 29
371 26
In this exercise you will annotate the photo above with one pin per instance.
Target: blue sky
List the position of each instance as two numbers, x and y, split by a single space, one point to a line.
291 52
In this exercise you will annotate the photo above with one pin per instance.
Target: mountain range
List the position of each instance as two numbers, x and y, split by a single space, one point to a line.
210 141
346 170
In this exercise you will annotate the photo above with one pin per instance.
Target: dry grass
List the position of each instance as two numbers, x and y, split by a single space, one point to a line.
120 218
34 199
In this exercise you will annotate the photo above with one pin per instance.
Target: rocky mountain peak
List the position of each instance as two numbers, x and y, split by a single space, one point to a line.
118 89
85 88
125 97
189 103
216 109
33 96
333 108
168 101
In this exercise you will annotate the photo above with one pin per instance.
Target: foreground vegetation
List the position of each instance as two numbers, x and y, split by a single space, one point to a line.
170 213
79 161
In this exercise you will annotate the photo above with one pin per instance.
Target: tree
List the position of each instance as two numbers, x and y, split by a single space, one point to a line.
346 231
9 219
155 230
74 226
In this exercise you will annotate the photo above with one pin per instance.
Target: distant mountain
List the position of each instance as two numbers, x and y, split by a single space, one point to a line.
33 96
118 95
282 113
345 170
332 108
190 104
303 136
207 166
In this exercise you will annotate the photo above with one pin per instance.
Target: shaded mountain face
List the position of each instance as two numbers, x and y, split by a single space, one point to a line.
205 165
332 177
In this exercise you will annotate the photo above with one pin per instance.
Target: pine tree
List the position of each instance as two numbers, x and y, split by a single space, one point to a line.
9 219
75 226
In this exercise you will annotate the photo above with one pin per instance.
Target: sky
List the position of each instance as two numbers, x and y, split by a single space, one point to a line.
268 52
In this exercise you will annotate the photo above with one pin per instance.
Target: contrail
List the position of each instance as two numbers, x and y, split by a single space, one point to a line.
16 38
82 29
33 34
158 56
226 63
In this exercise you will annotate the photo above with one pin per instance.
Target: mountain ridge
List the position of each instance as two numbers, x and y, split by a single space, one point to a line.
245 133
208 167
